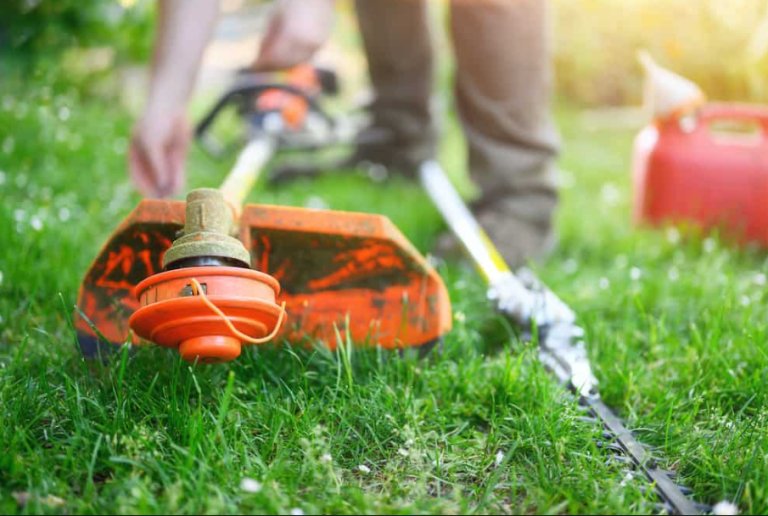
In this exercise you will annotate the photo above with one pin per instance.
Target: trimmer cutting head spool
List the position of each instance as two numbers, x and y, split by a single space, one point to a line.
174 313
207 301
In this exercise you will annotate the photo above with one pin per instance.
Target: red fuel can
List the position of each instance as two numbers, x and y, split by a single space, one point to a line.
709 169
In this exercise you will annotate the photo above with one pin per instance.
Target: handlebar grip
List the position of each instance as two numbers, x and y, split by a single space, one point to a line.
251 89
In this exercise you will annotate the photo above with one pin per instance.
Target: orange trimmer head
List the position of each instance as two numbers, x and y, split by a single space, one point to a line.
208 312
349 272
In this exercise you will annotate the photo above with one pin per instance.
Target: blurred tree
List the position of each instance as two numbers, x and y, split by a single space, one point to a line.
44 28
719 45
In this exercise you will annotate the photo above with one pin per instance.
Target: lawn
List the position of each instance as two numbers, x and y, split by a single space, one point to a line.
675 326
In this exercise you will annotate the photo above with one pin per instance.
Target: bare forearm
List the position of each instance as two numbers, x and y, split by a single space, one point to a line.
297 30
184 30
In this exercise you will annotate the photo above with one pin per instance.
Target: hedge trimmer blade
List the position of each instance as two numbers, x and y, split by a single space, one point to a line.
530 304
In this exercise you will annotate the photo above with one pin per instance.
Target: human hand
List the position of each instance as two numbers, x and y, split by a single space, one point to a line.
297 30
158 153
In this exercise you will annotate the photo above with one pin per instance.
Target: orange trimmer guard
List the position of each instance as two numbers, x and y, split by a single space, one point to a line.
348 271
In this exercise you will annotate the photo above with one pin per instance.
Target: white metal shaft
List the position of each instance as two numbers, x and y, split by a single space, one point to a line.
246 171
461 221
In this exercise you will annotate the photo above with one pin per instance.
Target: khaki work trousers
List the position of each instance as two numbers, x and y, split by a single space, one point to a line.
502 90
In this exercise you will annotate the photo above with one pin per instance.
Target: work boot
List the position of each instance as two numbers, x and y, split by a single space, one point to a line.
391 154
520 239
521 228
379 152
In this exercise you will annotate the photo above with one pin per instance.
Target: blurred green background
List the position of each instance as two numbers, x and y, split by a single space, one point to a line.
721 45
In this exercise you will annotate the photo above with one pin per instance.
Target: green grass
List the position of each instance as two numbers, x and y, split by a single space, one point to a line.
675 326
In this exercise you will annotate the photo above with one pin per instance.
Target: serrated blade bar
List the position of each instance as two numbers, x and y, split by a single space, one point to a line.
670 492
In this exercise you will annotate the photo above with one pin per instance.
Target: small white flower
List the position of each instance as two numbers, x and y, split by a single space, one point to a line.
64 113
297 512
499 457
673 236
403 452
8 145
610 194
19 215
627 479
326 458
316 203
725 508
605 283
21 110
76 142
567 179
759 279
570 266
377 173
64 214
709 245
250 485
409 443
635 274
364 469
673 274
36 223
745 301
53 501
120 146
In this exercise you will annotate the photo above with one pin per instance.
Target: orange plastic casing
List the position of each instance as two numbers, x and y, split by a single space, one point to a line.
171 315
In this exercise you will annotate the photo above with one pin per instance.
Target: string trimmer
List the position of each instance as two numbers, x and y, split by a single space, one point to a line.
174 273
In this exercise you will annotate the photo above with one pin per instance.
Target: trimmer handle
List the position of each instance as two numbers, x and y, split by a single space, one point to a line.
262 93
748 115
743 112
